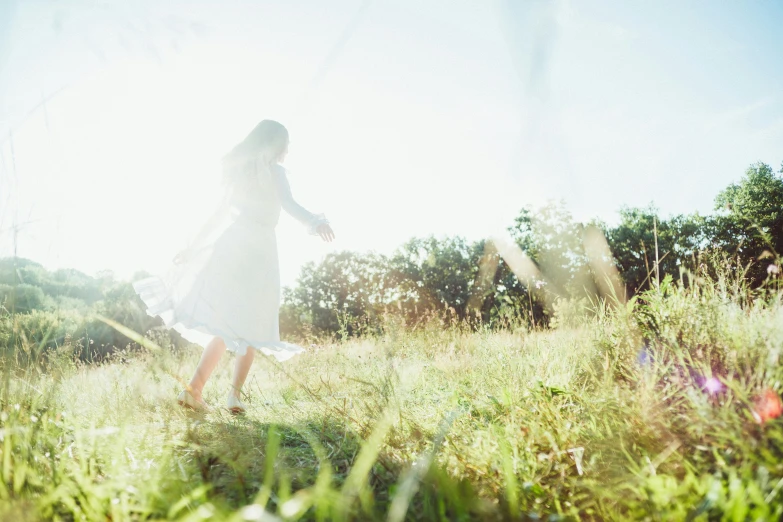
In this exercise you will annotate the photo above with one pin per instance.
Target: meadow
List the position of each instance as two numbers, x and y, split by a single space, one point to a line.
664 408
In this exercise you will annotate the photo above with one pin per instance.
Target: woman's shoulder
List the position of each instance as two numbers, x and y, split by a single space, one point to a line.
279 169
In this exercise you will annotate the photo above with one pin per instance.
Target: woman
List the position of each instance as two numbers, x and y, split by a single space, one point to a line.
224 289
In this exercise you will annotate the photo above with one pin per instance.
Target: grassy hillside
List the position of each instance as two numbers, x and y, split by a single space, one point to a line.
664 409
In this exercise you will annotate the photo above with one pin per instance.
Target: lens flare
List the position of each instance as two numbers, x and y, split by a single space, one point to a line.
767 406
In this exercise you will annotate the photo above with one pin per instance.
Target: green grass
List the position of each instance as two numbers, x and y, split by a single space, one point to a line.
435 423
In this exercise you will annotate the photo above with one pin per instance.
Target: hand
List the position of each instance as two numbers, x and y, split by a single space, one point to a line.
326 233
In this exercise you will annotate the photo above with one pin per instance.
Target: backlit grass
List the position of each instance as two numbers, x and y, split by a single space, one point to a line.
607 419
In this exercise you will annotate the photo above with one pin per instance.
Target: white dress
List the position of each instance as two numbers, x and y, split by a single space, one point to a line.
230 285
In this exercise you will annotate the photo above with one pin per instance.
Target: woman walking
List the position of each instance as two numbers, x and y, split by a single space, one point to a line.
223 291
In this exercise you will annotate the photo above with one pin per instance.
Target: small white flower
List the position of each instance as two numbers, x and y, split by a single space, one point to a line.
773 269
540 284
252 512
205 511
293 506
256 513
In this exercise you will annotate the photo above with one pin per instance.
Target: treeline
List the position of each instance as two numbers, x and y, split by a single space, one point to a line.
42 310
351 293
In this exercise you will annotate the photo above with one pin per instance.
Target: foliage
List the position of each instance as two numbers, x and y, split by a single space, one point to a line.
49 310
346 292
607 419
434 275
65 283
351 293
750 222
454 279
680 239
554 241
438 397
21 298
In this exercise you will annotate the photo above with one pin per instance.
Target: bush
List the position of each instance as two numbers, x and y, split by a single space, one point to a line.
21 298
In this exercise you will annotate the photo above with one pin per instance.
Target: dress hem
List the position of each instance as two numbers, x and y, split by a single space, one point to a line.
196 332
238 345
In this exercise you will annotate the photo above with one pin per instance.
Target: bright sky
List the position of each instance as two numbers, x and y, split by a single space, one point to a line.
407 118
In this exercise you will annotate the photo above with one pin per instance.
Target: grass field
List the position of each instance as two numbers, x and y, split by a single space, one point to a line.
663 409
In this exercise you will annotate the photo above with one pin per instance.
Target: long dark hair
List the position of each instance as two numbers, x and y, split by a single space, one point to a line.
268 133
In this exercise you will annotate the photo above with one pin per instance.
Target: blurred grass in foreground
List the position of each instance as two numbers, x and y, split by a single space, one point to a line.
661 409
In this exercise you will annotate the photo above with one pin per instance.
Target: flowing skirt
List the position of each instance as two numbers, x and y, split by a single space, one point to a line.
229 288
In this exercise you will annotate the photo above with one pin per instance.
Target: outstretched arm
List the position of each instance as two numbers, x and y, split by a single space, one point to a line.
317 224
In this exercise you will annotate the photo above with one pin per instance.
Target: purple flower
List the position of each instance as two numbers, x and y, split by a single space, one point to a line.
713 385
644 357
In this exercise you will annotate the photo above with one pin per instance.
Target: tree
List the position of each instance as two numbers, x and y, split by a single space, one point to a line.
498 295
21 298
433 275
555 243
347 290
67 283
750 219
680 239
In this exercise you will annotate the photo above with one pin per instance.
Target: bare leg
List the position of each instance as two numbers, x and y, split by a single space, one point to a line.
209 360
241 369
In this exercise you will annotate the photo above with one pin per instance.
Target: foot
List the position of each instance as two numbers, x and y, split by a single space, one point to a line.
189 400
234 405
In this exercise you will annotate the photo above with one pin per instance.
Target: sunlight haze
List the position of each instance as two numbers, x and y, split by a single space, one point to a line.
406 118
